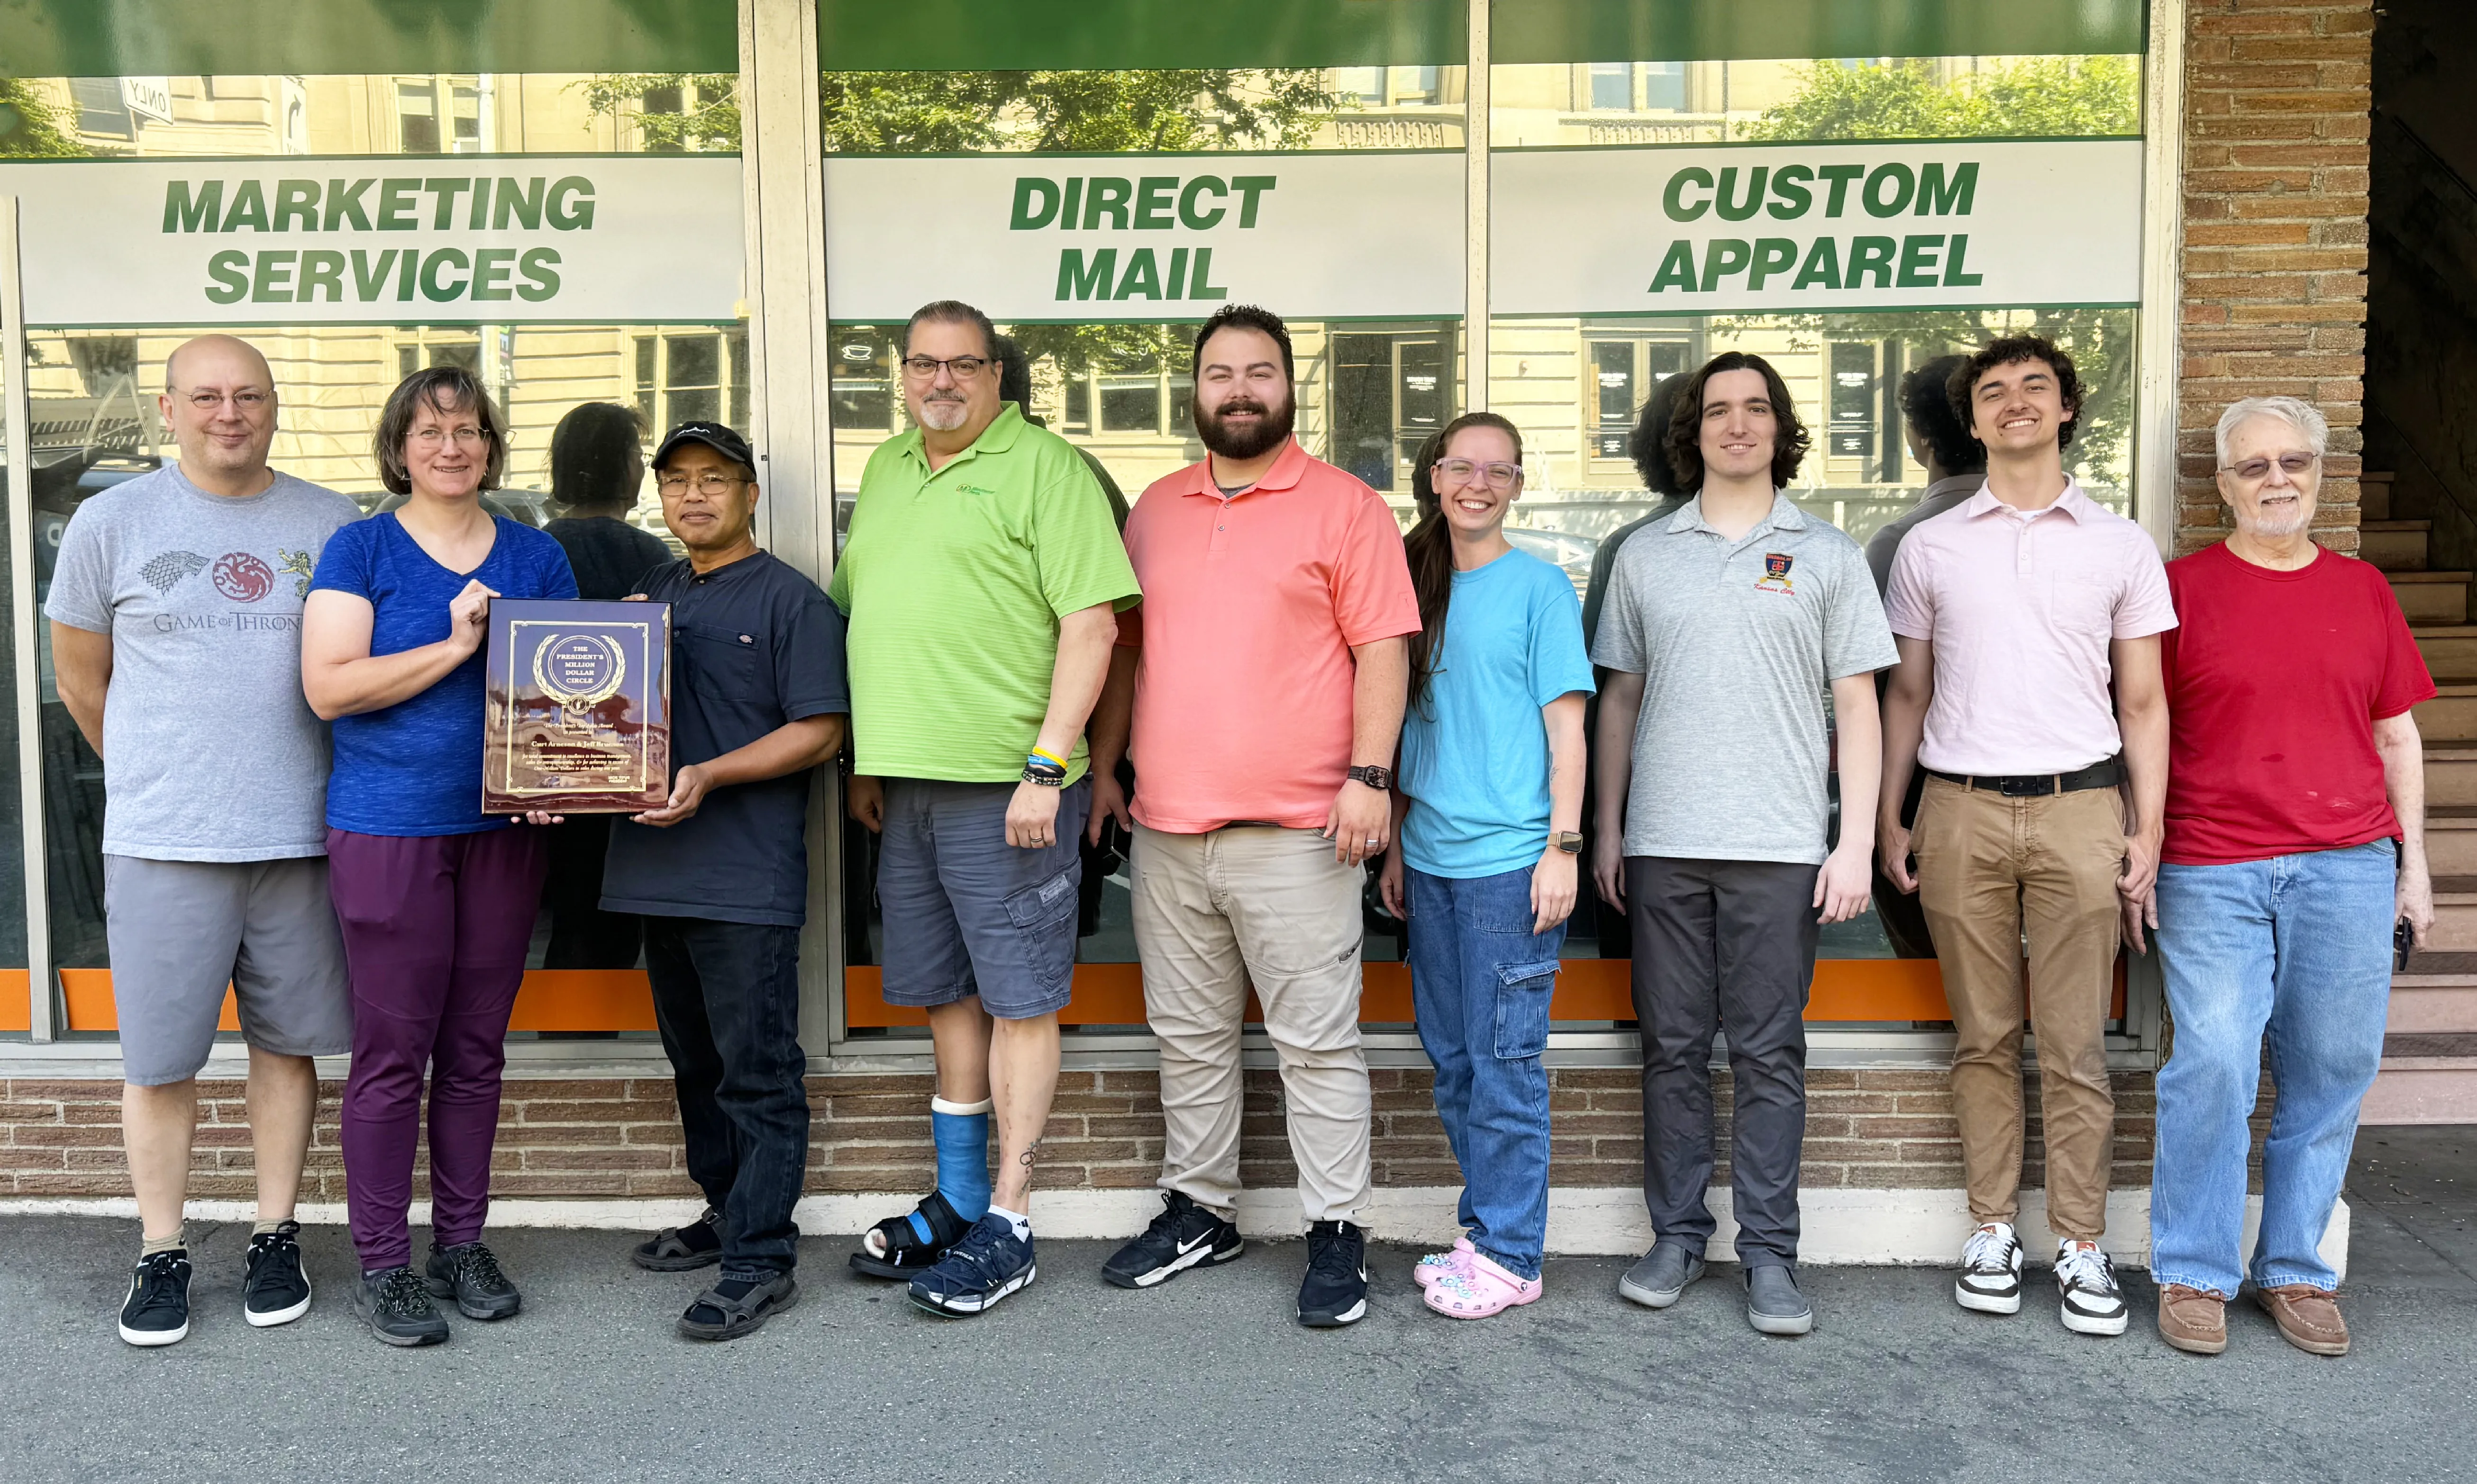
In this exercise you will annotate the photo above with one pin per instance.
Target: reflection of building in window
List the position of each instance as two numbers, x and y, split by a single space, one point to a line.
688 377
419 109
1623 371
1134 399
863 379
418 349
102 113
1399 108
1390 390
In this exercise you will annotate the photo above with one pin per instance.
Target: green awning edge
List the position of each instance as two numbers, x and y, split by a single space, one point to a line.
192 38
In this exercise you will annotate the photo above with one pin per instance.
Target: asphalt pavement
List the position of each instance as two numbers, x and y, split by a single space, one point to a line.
1208 1378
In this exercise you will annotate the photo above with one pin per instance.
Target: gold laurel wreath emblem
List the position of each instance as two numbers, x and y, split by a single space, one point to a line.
579 700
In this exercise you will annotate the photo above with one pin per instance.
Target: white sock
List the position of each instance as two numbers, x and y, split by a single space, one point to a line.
1021 1222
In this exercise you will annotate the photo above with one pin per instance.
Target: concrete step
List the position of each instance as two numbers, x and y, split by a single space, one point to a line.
2394 545
2375 495
2451 839
2450 650
2436 598
2422 1090
2451 716
2432 1004
2450 776
2455 914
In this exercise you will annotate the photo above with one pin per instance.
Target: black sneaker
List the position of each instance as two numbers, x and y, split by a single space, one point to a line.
1184 1235
275 1287
1334 1290
396 1306
469 1273
157 1311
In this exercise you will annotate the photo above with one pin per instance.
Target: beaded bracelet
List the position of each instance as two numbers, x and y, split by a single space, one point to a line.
1044 770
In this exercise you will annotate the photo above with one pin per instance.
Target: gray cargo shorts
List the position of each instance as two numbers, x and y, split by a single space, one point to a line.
180 930
965 913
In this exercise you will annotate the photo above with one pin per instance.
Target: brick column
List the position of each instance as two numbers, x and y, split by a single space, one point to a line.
2277 113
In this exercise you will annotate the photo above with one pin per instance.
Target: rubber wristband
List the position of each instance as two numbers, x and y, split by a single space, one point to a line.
1038 755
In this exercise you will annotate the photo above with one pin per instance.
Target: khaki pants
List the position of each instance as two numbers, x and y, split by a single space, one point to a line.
1990 869
1213 913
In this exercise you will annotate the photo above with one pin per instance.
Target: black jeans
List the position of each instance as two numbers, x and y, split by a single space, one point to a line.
727 998
1723 943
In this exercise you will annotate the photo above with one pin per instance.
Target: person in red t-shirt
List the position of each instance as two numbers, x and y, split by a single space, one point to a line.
2295 839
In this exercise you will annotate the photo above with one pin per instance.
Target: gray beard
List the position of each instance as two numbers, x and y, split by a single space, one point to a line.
944 417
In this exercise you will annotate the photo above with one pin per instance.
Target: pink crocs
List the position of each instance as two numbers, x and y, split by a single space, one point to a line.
1437 1265
1481 1289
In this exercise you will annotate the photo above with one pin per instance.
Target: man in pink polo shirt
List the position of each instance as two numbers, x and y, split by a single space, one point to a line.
2016 613
1267 670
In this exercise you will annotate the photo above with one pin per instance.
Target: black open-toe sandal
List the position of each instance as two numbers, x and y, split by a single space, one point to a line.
900 1253
744 1314
671 1251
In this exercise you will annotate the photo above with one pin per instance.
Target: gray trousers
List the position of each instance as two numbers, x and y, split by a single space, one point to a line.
1723 943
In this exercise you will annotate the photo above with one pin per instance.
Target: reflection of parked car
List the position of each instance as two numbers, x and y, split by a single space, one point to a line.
1559 549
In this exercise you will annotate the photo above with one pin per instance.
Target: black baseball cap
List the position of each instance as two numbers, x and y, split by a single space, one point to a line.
713 435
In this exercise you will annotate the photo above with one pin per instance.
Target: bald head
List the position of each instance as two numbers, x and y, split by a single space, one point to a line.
219 403
221 358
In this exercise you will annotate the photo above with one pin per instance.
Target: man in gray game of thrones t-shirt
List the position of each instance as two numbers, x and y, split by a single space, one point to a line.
175 616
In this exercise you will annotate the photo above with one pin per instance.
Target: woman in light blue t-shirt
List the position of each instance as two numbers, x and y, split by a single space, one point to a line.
436 899
1486 864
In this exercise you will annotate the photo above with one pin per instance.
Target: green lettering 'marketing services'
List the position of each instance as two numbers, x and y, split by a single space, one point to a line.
380 204
439 275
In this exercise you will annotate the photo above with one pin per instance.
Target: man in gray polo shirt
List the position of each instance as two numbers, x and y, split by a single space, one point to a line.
1727 625
176 639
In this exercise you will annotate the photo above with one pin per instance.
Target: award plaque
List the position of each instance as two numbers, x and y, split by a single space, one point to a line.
576 707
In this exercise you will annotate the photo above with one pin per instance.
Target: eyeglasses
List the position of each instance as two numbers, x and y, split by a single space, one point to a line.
434 438
709 485
924 368
247 399
1466 473
2289 464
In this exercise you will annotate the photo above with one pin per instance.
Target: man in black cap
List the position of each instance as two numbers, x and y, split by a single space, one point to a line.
719 873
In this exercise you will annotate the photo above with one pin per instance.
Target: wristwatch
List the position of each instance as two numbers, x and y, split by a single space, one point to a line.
1380 779
1570 841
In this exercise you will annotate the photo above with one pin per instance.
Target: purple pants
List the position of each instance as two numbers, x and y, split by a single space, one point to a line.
434 936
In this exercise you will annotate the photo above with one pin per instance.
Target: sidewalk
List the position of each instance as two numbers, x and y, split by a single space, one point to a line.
1208 1379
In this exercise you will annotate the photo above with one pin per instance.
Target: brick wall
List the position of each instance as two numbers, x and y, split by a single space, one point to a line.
2277 102
621 1137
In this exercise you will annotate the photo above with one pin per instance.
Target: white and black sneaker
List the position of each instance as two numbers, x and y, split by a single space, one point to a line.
1184 1235
275 1286
157 1311
1990 1270
1334 1290
2086 1281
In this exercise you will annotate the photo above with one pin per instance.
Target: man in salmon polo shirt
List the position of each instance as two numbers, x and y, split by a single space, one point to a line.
2016 613
2295 839
1265 670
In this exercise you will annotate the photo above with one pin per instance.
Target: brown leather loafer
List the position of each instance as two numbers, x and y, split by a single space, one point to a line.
2192 1320
2308 1318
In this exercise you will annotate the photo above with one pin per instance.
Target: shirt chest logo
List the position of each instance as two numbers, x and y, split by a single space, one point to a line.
1775 578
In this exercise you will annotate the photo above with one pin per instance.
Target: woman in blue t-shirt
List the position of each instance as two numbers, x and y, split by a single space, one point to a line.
436 899
1486 854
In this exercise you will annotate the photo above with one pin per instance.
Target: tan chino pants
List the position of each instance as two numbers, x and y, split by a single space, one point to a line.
1991 869
1215 912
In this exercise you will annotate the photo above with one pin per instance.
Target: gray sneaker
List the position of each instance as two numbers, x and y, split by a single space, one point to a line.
1663 1274
1773 1304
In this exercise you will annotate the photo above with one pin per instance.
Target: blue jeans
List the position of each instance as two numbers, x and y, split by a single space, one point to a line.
2300 945
1480 983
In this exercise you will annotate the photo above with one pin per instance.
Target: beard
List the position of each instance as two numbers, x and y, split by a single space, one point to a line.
2279 528
944 413
1272 426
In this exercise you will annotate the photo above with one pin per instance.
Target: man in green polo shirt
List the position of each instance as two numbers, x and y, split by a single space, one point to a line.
970 739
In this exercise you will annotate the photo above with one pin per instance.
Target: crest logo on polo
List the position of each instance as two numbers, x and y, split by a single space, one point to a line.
1775 578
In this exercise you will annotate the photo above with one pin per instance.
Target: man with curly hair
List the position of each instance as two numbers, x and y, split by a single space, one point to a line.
2029 691
1724 625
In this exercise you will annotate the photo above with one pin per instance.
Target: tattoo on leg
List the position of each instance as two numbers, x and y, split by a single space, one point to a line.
1031 1149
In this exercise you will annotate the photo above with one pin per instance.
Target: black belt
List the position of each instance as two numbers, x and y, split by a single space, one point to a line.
2039 785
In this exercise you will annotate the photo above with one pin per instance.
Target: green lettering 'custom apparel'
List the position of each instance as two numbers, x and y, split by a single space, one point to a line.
954 583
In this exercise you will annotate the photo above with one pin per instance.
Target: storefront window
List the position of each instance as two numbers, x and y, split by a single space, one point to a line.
1650 214
556 214
1131 194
